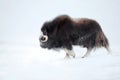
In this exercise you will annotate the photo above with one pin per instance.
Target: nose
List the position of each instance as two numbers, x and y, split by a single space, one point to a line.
43 38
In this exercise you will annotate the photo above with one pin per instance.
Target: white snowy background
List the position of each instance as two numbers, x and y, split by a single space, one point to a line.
21 58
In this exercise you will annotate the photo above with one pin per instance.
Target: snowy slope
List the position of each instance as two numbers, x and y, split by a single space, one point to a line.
25 62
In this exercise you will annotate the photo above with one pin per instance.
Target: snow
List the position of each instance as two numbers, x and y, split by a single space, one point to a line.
21 57
25 62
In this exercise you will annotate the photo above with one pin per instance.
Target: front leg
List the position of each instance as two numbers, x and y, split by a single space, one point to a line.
69 53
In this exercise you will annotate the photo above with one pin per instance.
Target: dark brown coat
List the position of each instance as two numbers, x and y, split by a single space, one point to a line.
64 31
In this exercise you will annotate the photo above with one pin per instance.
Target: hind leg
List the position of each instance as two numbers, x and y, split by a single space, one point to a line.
87 53
108 49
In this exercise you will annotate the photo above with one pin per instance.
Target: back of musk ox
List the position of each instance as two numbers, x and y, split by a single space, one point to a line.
63 32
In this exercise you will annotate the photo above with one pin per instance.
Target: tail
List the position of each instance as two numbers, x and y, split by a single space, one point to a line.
102 41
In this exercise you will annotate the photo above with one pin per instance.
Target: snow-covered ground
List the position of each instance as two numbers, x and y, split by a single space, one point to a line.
21 58
27 62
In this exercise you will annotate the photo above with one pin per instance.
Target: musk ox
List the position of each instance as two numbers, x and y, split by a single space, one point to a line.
63 32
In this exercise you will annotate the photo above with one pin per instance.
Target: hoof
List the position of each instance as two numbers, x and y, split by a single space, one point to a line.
74 56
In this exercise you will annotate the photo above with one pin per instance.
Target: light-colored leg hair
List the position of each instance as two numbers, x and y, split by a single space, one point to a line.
69 53
87 53
109 50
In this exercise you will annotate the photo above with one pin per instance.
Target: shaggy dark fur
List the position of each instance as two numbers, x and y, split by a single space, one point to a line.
64 31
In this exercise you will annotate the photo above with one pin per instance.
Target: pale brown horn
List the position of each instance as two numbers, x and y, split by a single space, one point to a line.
44 38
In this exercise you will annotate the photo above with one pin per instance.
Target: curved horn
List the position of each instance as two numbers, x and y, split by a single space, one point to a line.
44 38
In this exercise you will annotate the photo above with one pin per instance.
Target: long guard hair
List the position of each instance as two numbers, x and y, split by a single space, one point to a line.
64 31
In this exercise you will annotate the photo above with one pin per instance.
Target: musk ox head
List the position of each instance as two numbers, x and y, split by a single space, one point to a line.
53 32
47 39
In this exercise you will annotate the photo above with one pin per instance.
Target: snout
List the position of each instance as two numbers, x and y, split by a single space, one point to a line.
43 38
